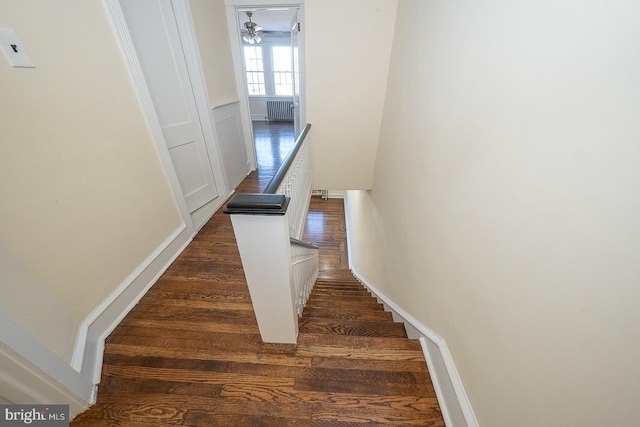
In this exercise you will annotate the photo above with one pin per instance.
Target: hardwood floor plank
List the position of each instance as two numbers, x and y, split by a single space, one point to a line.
144 386
193 376
206 305
370 364
358 353
361 387
146 413
349 376
230 354
192 326
200 339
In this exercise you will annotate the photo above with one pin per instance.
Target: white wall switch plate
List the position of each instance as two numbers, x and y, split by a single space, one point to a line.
14 50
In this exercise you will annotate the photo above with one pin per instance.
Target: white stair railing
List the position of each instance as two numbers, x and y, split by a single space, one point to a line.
304 261
296 184
280 270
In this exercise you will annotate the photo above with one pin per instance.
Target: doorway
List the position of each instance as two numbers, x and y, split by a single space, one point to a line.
270 75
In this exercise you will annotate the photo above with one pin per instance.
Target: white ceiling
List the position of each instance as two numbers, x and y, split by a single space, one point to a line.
269 19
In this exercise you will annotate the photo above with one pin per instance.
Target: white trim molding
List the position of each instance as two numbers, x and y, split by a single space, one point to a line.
454 402
29 370
94 329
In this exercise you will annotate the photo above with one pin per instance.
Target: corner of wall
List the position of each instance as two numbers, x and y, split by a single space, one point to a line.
89 348
29 371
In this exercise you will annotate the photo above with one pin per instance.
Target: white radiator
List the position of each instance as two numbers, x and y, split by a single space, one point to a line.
279 111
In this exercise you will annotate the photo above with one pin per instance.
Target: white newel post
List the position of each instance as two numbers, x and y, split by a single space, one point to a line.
261 226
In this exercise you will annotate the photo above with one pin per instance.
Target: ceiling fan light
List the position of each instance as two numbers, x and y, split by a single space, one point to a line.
254 31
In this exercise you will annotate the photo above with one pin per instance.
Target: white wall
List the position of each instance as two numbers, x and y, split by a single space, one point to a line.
505 213
346 70
210 21
84 198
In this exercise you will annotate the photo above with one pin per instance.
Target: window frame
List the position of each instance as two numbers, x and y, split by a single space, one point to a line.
258 80
266 45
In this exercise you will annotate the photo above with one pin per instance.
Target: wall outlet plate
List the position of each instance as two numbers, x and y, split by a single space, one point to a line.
14 50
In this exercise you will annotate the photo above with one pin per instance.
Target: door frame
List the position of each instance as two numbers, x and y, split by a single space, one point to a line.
236 53
182 12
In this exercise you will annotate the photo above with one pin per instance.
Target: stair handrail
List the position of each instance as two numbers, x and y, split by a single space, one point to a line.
293 179
304 244
278 177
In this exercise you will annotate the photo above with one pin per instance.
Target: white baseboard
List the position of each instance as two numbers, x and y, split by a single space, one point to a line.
331 194
454 403
31 373
94 329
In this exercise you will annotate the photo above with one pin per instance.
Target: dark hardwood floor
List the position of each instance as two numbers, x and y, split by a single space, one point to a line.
272 140
190 352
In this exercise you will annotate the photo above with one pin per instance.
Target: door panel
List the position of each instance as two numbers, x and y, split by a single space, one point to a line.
228 130
156 40
186 161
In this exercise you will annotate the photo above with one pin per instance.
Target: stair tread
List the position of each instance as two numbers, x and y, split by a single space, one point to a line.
353 282
335 274
345 291
366 301
370 328
359 342
350 296
344 306
344 288
351 299
347 314
338 283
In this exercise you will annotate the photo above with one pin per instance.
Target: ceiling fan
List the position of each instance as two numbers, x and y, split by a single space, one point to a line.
253 32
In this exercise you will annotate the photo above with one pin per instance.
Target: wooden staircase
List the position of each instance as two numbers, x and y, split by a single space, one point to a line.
376 359
343 298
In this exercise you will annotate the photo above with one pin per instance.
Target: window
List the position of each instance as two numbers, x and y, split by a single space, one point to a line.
268 68
282 76
255 70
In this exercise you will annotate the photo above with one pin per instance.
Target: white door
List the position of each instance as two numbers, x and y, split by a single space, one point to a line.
156 40
295 56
